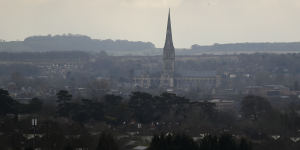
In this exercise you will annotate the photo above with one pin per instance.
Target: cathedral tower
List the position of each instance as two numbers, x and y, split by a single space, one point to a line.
167 77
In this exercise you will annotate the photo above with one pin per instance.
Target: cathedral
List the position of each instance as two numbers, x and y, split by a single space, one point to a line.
168 81
167 77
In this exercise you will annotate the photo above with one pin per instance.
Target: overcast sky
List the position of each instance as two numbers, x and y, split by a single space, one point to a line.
194 21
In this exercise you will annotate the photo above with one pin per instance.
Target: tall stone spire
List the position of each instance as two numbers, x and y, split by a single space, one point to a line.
167 77
169 39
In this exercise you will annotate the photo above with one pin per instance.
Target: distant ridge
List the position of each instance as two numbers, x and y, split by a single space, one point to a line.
259 47
71 42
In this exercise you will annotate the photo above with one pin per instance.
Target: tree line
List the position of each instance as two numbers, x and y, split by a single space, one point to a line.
209 142
256 119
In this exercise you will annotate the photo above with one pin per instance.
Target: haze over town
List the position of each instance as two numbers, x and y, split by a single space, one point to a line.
149 75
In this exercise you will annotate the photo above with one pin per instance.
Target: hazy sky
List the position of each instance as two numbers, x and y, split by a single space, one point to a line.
194 21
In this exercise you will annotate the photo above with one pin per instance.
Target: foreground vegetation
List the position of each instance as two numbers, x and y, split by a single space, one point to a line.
77 123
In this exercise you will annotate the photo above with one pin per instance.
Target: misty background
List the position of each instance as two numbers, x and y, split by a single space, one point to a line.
201 22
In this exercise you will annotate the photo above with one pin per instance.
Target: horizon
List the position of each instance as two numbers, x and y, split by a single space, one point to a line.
220 22
212 44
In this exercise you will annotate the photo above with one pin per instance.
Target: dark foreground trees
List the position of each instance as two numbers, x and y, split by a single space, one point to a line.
107 142
254 107
10 106
172 142
64 105
7 103
183 142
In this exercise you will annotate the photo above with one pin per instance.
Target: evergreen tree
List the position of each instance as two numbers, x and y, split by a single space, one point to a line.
7 103
64 105
63 97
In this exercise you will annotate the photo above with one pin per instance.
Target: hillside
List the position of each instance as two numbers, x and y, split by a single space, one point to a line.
293 46
72 43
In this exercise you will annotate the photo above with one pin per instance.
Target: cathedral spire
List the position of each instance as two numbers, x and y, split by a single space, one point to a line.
169 20
167 77
169 40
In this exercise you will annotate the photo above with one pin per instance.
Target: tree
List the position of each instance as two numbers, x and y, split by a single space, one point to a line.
208 109
64 105
172 142
63 97
142 106
290 119
209 143
244 145
115 111
111 100
54 137
68 147
35 105
7 103
107 142
226 142
87 110
254 106
173 105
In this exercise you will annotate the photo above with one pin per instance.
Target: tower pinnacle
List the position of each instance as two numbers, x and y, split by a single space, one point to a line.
169 39
167 77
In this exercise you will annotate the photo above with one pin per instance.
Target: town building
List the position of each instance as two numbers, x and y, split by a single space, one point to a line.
169 81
